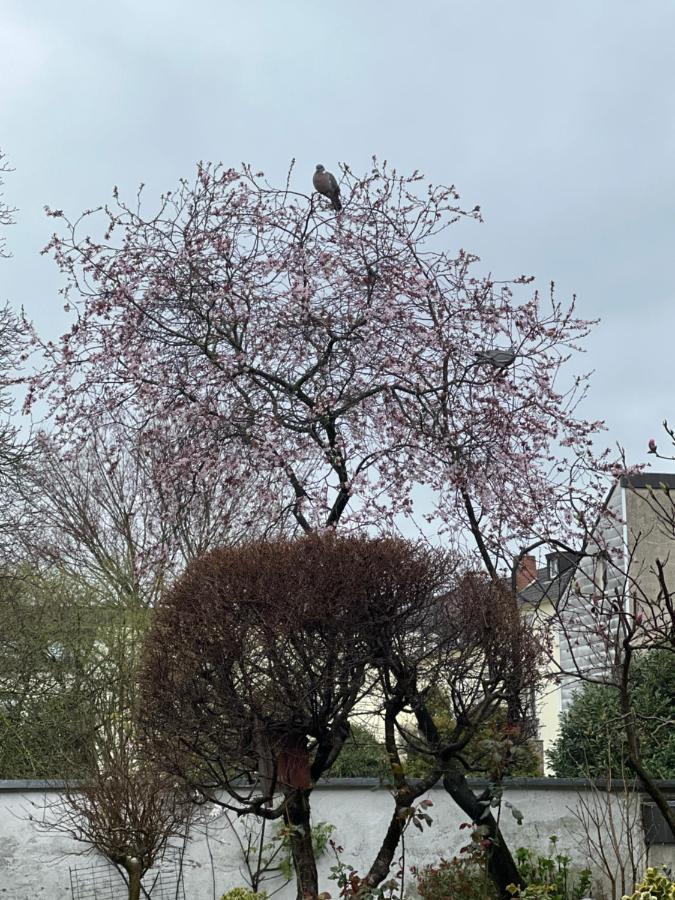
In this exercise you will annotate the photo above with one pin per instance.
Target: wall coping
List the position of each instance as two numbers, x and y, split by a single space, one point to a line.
28 785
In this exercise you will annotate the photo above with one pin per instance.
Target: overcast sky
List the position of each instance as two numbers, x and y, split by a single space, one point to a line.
558 118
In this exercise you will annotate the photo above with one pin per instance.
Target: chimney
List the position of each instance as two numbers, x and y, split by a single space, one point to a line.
527 572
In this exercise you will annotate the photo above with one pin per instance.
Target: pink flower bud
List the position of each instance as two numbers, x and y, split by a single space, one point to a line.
652 445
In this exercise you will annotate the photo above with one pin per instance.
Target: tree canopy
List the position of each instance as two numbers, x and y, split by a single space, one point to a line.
346 358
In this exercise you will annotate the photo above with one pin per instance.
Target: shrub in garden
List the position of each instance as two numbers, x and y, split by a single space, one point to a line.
362 756
550 876
457 878
592 728
240 893
257 659
465 878
656 885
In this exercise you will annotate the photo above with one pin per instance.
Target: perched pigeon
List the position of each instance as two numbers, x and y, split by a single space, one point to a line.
500 359
325 183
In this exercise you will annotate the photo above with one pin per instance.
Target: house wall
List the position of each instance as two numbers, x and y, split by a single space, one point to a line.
548 697
36 863
649 538
577 648
635 536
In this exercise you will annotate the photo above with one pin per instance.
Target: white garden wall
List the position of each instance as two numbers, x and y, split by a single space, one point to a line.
35 863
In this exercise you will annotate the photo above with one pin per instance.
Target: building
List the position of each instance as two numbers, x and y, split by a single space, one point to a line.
618 565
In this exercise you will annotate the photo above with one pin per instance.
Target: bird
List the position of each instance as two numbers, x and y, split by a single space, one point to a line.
325 183
498 359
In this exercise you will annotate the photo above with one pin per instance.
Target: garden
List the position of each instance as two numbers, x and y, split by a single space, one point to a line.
212 602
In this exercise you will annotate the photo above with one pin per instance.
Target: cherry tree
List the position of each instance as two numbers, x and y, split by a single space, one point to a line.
349 356
334 361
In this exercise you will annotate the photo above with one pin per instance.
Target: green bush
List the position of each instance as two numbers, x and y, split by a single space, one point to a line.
591 740
460 879
656 885
549 877
362 756
496 749
240 893
320 832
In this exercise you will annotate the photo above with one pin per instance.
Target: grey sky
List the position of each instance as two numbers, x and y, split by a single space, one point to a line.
558 118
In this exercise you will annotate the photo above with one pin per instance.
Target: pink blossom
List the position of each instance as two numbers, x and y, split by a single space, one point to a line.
332 361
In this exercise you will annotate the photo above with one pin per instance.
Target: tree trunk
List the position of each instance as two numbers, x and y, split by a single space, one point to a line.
385 856
297 816
651 787
133 867
501 866
635 754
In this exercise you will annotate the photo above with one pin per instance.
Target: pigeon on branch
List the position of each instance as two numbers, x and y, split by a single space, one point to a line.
325 183
499 359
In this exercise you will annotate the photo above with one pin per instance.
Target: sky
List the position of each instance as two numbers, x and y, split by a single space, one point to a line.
557 118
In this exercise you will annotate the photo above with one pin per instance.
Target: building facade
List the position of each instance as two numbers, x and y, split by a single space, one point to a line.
617 569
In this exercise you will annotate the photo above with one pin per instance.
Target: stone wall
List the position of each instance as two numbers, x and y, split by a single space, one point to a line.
36 863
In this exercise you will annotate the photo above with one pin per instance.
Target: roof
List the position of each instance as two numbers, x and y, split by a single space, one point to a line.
648 480
545 588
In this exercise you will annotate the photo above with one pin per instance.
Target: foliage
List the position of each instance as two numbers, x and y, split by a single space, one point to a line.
460 879
362 756
351 884
61 654
549 875
321 833
240 893
496 749
258 656
266 859
303 605
48 738
656 885
466 878
591 730
122 805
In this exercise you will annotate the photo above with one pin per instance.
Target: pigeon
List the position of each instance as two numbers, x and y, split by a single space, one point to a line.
499 359
325 183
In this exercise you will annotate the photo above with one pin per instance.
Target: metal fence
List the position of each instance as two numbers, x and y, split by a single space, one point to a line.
102 881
